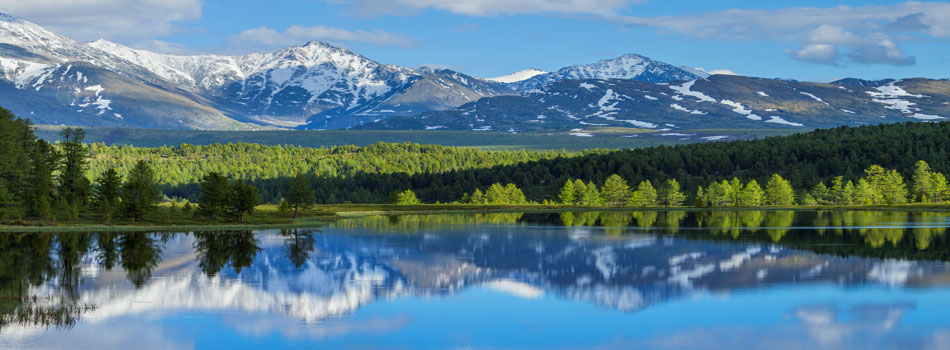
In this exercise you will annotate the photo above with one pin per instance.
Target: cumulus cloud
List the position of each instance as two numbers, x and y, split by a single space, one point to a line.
833 35
126 21
265 37
486 7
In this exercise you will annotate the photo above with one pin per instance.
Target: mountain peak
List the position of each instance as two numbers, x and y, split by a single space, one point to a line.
8 18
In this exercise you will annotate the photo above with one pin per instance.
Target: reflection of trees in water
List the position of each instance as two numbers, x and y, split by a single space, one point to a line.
217 249
299 245
414 222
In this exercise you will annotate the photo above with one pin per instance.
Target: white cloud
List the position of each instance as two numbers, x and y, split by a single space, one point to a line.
486 7
265 37
125 21
859 34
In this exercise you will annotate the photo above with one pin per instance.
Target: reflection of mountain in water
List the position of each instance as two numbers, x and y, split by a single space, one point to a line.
310 275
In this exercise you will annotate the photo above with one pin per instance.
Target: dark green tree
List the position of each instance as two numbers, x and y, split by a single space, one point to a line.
140 192
300 194
215 193
73 184
244 199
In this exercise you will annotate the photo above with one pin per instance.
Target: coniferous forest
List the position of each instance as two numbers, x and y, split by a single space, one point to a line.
870 165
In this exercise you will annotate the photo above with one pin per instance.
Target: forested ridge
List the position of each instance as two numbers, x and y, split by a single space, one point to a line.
382 173
185 164
803 159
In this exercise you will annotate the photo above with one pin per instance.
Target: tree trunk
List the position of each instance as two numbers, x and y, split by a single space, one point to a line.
295 211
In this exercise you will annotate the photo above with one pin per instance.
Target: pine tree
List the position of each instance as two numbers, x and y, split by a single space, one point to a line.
752 194
863 193
73 185
214 197
923 182
644 196
300 194
940 188
590 196
567 195
244 199
40 189
616 191
669 194
108 187
733 191
820 193
848 193
778 191
893 189
140 192
836 190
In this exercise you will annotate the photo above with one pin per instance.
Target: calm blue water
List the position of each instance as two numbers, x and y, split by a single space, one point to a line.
670 280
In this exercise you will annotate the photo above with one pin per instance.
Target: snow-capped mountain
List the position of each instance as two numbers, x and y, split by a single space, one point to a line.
717 102
630 66
282 88
518 76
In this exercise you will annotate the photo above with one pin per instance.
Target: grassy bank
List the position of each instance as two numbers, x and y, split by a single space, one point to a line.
167 218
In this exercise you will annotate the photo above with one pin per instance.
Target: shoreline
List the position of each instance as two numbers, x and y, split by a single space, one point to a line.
330 213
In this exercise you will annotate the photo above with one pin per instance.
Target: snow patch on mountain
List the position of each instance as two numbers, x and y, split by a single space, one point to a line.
779 120
518 76
686 90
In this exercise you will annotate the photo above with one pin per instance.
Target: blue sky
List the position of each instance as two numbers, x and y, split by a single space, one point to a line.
807 40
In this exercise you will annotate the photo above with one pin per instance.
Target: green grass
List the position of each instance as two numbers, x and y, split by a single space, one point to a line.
267 216
608 138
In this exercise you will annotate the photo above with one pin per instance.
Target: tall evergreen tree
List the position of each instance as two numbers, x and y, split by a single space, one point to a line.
923 182
670 195
893 189
644 196
140 192
73 185
752 194
108 187
567 194
779 191
39 196
616 192
244 199
215 195
300 194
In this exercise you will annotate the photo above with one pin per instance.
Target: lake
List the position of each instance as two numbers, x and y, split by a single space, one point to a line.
569 280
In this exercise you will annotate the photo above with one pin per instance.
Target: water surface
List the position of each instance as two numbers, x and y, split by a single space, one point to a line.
571 280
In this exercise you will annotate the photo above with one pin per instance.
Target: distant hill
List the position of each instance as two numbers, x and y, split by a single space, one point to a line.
719 101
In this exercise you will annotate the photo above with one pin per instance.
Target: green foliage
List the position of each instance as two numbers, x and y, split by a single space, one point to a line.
215 196
108 187
568 195
779 191
644 196
670 195
73 184
407 197
300 193
140 191
616 192
244 199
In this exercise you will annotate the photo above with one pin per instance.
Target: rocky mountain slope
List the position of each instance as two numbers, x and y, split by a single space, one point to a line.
54 79
717 102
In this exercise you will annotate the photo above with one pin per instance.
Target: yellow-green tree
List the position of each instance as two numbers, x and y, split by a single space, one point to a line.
779 191
644 196
616 192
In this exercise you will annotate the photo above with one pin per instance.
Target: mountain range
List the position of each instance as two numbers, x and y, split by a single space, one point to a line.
56 80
